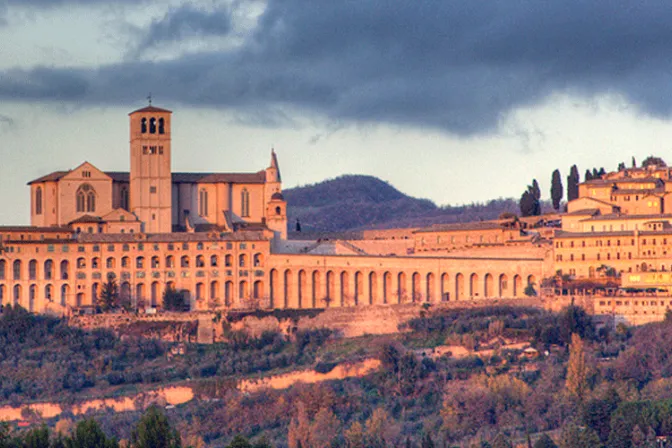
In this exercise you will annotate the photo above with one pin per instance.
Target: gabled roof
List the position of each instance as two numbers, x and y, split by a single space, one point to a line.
51 177
204 178
87 219
585 212
151 109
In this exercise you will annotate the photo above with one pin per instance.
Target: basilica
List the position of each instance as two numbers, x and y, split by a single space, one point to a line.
221 240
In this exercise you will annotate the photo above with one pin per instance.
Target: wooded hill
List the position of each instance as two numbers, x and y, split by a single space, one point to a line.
356 202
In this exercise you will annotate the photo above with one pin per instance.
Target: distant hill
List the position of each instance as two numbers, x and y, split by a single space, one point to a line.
355 202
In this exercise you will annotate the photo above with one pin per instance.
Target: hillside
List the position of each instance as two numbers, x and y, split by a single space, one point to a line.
356 202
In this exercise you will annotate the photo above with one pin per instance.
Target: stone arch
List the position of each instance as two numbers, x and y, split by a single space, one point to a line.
154 296
473 285
49 293
228 293
532 281
16 270
416 295
287 288
303 287
3 269
459 286
170 262
315 289
242 290
155 262
140 262
387 286
331 288
345 288
125 291
214 290
32 296
503 285
258 260
272 288
140 293
65 269
2 295
85 199
517 285
214 261
32 270
65 292
242 260
162 126
359 286
17 295
401 287
79 299
200 261
488 285
184 261
373 288
430 290
258 290
445 291
94 293
48 269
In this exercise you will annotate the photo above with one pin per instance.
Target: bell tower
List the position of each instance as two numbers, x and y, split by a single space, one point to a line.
150 176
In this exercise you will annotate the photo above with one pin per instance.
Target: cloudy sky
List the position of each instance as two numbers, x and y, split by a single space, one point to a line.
455 101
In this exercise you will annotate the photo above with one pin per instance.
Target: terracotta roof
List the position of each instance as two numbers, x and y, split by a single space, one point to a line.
616 216
585 211
204 178
34 229
277 196
56 175
180 178
483 225
151 109
169 237
87 219
646 191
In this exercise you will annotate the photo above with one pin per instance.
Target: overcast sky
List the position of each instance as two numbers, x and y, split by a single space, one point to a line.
455 101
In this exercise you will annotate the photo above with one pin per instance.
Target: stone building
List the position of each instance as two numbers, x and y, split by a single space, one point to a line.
221 239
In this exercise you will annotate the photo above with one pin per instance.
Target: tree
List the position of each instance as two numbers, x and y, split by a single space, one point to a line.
324 429
354 436
530 290
597 413
239 442
501 442
299 428
574 436
109 295
154 431
173 300
576 382
654 161
634 164
88 434
36 438
545 442
556 189
427 442
381 429
587 176
573 183
596 174
529 201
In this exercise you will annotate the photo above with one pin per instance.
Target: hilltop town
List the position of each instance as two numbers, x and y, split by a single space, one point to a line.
219 241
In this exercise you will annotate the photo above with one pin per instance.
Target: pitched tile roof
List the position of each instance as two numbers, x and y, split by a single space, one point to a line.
180 178
151 109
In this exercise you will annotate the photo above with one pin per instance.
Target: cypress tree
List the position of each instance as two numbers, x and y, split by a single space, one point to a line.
573 183
556 189
588 176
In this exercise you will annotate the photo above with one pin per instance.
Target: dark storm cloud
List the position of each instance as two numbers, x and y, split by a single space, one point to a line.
184 22
456 66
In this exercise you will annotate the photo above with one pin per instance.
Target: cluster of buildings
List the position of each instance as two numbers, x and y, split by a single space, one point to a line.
221 239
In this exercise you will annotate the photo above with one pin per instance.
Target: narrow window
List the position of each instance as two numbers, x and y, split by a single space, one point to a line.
152 125
245 203
162 129
143 125
38 201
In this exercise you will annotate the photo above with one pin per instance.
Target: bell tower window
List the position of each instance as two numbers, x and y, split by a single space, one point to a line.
203 203
38 201
245 203
143 125
152 125
162 128
124 198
